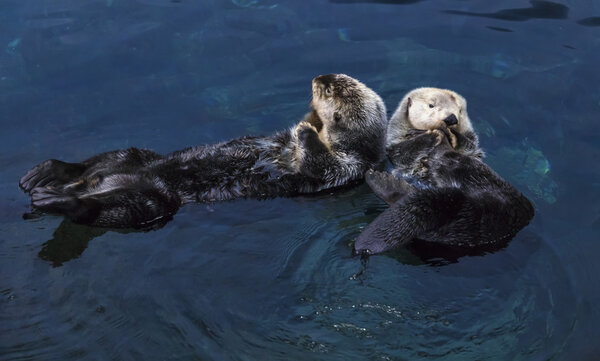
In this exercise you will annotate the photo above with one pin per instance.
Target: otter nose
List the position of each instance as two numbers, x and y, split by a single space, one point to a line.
451 120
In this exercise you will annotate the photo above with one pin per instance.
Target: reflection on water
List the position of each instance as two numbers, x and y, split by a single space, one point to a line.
68 242
276 279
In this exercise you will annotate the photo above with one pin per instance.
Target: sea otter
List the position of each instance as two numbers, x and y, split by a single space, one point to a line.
337 141
440 190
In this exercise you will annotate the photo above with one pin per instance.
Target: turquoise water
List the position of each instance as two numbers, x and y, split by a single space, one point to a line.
275 280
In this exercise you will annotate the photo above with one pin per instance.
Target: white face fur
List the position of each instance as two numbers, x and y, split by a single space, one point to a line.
426 109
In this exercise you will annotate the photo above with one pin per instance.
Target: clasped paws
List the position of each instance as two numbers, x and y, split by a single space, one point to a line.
443 133
304 130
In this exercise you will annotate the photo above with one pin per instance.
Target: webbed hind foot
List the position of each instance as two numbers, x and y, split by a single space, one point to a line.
57 201
387 187
52 200
50 173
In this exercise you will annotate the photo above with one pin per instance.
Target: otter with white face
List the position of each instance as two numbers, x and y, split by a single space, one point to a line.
452 197
429 109
336 143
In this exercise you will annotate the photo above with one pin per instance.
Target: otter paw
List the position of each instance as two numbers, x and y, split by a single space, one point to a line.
438 134
453 140
304 130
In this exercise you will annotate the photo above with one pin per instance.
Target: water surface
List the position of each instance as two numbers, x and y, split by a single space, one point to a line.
253 280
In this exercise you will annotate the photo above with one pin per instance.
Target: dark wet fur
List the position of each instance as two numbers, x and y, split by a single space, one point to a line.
136 187
465 204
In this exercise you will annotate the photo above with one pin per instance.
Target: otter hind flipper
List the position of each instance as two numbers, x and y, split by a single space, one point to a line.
382 234
416 215
53 200
117 201
387 187
50 173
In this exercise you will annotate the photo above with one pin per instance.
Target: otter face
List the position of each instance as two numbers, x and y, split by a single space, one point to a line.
340 100
329 93
429 109
351 113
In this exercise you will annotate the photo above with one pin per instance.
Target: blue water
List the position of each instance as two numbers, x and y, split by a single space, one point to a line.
275 280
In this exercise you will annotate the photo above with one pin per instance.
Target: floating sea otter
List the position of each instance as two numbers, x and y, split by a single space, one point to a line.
452 198
338 140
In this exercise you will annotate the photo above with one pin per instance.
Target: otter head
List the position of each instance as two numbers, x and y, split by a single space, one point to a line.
351 113
428 109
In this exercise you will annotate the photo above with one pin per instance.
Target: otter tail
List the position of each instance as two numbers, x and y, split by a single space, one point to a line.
51 173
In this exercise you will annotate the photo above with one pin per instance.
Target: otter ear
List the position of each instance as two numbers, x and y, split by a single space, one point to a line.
408 105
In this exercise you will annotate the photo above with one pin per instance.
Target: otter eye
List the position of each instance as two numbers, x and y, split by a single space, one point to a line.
431 105
328 91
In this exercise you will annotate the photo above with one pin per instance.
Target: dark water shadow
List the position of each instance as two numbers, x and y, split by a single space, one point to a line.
388 2
429 254
70 240
422 252
435 254
502 30
539 10
591 21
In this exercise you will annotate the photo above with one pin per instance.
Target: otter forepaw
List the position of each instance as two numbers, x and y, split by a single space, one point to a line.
453 140
438 134
304 130
308 139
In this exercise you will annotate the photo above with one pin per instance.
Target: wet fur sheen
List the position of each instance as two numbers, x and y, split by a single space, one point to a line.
337 141
461 202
